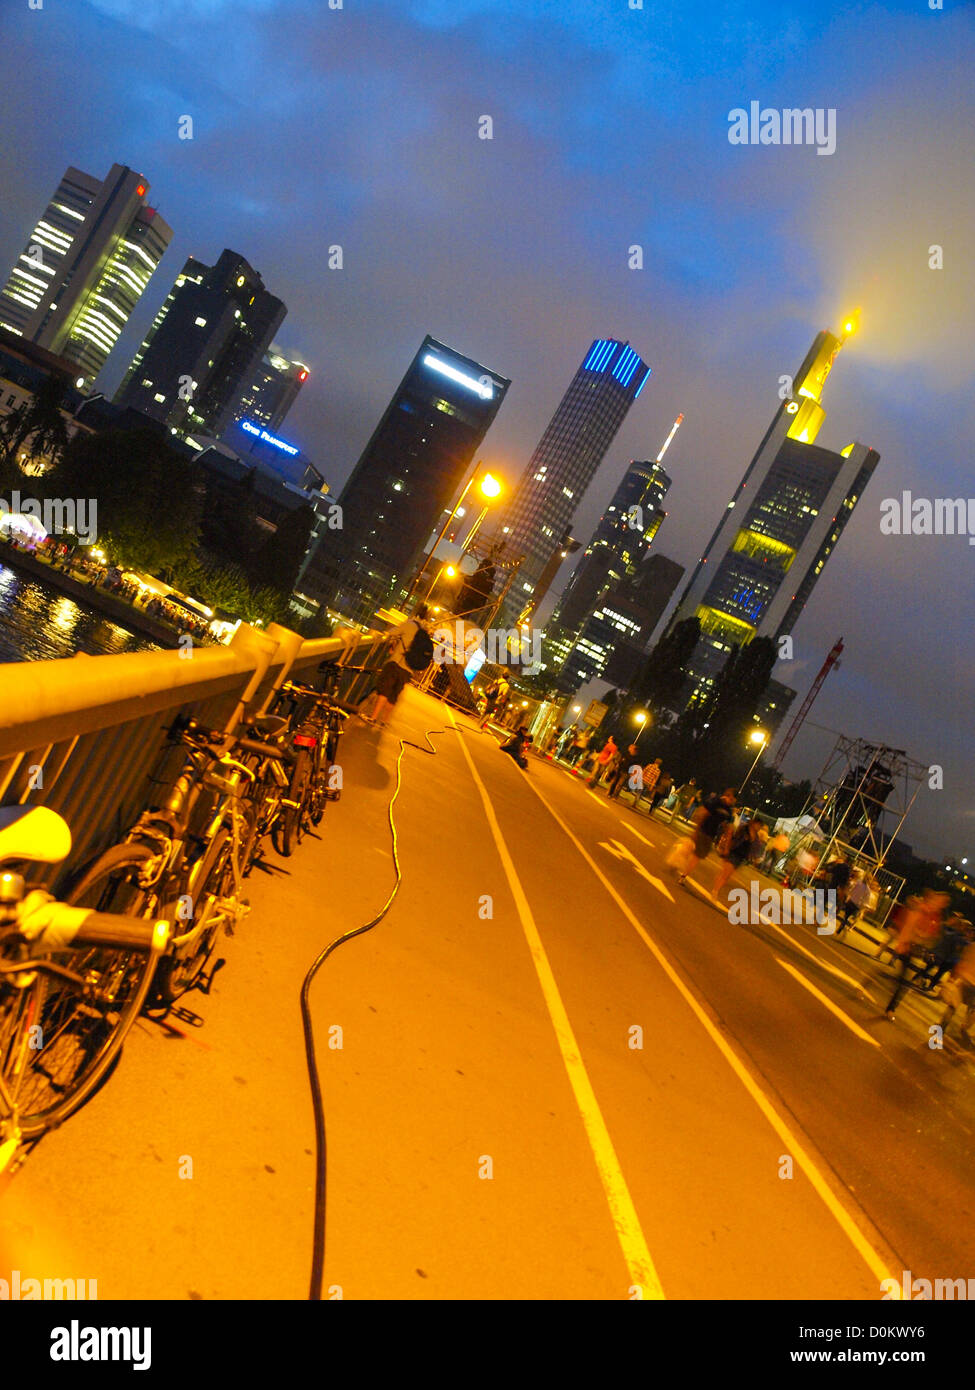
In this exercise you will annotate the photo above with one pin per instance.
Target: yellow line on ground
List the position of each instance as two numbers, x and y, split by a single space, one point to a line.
824 999
635 832
831 1201
602 803
825 965
628 1230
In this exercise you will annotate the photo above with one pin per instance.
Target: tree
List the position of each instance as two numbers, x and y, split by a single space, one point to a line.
147 498
713 732
36 428
278 560
659 684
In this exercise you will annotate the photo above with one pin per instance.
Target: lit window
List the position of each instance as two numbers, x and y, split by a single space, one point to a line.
159 398
200 323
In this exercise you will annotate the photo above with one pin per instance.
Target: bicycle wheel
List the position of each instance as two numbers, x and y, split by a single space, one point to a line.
287 829
82 1029
214 907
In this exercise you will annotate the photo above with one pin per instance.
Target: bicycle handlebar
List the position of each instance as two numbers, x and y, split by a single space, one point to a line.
55 926
265 750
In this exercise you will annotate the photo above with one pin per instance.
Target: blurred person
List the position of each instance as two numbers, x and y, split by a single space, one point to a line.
685 796
517 746
604 757
962 982
743 846
715 812
623 765
855 899
398 671
919 925
495 698
945 953
661 791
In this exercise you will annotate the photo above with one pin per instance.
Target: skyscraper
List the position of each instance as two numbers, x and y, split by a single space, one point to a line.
780 527
412 467
85 267
275 384
204 346
621 539
572 447
615 637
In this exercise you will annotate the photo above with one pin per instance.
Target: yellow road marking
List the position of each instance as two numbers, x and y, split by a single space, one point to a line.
824 999
825 965
831 1201
628 1229
635 832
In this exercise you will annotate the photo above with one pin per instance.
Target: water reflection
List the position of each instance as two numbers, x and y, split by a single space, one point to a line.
38 623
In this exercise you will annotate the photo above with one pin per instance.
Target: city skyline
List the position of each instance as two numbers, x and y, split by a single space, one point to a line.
721 313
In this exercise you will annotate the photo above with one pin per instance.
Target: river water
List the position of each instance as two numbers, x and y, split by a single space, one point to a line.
39 623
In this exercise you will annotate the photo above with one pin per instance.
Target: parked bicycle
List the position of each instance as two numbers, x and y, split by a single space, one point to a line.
73 980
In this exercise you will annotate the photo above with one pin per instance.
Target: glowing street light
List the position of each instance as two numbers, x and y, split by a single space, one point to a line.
760 737
445 572
490 488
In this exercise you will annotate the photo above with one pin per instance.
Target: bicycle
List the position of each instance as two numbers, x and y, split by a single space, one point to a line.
316 741
173 865
72 983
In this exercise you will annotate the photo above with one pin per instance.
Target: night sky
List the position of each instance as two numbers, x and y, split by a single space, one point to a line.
359 126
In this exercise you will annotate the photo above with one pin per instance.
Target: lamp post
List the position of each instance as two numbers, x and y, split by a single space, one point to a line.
490 487
643 719
447 570
760 737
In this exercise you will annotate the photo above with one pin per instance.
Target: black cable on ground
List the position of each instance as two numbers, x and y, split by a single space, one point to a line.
318 1239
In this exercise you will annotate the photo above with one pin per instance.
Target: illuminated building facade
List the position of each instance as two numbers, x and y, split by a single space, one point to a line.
410 470
85 267
780 527
619 543
615 637
562 466
274 389
204 346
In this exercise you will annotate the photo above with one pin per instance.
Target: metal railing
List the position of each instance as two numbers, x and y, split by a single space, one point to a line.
86 735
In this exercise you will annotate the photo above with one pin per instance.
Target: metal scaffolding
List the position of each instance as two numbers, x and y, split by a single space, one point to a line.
863 796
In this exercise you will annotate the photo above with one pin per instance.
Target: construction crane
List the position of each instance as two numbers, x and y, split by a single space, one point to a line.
832 660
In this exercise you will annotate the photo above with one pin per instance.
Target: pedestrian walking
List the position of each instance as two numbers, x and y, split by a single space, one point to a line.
685 795
661 791
410 653
604 757
622 767
919 925
856 897
580 746
743 846
962 988
495 698
945 954
775 848
651 776
714 813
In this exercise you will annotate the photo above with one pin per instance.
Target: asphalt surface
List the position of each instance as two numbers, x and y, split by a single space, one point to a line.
550 1072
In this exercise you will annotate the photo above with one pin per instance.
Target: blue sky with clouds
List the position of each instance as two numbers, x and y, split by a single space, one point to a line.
359 126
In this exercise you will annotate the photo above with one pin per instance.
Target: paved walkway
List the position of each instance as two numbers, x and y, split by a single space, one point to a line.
549 1073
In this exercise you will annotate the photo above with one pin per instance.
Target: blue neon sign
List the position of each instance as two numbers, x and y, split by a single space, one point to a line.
266 438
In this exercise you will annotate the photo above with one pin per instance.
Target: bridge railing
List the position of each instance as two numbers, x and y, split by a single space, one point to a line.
86 736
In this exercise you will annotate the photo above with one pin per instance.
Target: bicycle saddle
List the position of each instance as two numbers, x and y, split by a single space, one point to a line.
33 832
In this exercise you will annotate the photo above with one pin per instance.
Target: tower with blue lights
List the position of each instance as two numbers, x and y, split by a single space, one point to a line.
563 464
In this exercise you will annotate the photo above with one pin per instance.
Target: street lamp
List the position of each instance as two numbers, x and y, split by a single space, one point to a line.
445 570
489 488
643 719
760 737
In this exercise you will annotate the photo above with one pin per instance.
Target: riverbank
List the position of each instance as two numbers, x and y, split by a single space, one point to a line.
91 596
